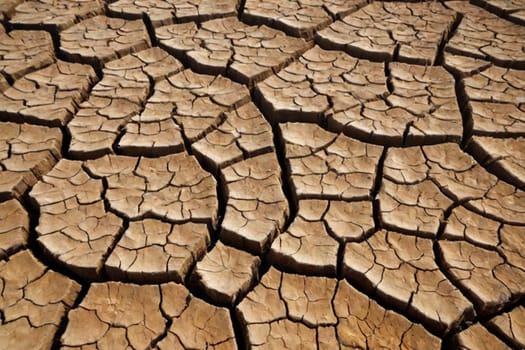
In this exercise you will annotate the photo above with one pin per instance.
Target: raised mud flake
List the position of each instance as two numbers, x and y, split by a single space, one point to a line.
463 179
514 10
156 251
422 108
402 270
511 325
335 313
263 304
365 324
307 246
24 51
311 243
319 83
195 101
174 11
298 17
503 157
55 15
352 95
14 227
26 153
115 99
74 227
195 323
128 315
381 31
463 224
246 53
172 187
114 314
226 273
100 39
152 138
268 325
482 34
48 96
464 66
243 134
495 96
490 278
409 201
256 207
418 208
33 302
326 165
438 171
477 337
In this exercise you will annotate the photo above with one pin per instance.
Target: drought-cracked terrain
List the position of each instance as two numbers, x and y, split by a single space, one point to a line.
281 174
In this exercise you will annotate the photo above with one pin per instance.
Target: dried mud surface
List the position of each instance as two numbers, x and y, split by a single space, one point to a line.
295 174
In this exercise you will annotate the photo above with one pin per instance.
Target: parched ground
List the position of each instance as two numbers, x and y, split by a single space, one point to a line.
280 174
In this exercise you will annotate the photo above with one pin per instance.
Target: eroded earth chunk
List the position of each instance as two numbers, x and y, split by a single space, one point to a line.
421 183
129 315
54 15
227 45
24 51
26 153
294 311
482 34
402 270
80 219
33 301
325 165
418 105
225 274
385 31
100 39
173 11
48 96
114 100
298 17
256 207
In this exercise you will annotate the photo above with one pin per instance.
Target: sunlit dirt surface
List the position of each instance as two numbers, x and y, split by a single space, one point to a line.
281 174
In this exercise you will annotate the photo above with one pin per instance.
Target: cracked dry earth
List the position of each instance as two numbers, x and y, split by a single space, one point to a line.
282 174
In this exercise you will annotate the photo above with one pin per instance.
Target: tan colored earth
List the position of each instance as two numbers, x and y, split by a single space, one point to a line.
262 174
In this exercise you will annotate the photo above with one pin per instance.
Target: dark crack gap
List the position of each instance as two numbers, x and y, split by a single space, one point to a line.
280 152
167 325
376 205
464 108
493 165
470 315
238 329
240 9
440 55
57 341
